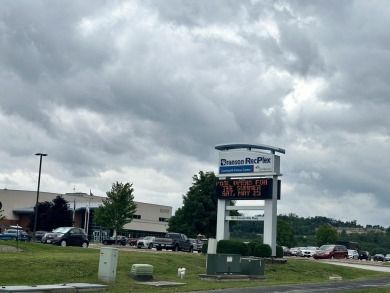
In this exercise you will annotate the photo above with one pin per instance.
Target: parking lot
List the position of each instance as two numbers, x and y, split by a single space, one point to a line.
134 248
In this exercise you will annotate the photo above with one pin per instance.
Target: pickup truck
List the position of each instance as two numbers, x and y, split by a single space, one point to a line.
173 241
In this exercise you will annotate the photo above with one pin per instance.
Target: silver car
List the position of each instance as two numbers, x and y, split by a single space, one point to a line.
353 254
146 242
295 251
309 251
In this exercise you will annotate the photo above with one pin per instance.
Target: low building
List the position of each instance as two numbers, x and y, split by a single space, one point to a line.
18 206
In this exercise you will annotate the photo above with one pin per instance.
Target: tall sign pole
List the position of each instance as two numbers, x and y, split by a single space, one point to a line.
36 203
248 172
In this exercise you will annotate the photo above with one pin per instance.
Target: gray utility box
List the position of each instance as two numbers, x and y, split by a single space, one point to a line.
252 266
107 264
223 264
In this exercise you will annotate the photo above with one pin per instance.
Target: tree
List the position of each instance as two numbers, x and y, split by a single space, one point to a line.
343 234
2 217
248 230
59 214
198 215
118 208
326 234
43 222
52 215
284 234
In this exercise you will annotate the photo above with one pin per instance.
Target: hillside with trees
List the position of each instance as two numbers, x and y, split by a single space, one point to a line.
373 238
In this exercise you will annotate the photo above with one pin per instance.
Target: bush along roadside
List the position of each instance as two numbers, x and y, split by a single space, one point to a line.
254 248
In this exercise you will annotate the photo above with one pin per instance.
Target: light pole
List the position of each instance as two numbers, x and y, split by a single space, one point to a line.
39 182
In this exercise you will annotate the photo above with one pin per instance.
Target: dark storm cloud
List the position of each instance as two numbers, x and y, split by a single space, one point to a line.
43 41
144 90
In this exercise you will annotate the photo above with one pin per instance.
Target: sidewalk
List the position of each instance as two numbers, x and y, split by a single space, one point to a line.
71 288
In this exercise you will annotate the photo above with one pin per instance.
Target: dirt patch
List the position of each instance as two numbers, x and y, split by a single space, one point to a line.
7 248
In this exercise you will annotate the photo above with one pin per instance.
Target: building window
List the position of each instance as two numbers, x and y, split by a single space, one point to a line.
163 219
137 217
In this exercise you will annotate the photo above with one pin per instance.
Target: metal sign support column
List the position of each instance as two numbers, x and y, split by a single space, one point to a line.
222 224
270 218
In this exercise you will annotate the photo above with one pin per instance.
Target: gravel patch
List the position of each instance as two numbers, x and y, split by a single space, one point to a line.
7 248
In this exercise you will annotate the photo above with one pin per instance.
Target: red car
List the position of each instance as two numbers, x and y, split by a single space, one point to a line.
132 241
331 251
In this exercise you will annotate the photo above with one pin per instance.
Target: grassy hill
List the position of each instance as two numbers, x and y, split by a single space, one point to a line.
38 264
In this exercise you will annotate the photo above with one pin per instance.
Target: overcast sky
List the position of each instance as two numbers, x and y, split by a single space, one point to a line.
143 91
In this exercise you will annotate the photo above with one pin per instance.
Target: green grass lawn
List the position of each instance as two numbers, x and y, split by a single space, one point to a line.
39 264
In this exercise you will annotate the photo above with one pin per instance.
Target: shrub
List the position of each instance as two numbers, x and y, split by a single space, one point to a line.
279 251
262 250
232 246
204 247
251 246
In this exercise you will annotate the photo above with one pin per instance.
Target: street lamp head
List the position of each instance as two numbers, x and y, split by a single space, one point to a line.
40 154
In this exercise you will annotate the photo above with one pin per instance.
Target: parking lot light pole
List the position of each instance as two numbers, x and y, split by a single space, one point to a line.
36 204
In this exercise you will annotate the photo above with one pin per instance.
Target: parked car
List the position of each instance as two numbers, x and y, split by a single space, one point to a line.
14 234
295 251
197 244
308 251
387 257
300 251
132 241
67 236
378 257
331 251
146 242
364 255
353 254
286 251
120 240
38 235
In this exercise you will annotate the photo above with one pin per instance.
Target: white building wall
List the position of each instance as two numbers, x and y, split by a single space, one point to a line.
151 215
20 199
151 218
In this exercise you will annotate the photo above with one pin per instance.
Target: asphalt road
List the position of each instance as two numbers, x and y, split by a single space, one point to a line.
333 286
336 286
378 268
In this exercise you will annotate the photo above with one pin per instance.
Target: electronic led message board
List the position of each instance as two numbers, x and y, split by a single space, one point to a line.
245 189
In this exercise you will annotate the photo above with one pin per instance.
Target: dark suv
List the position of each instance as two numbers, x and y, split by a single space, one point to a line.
364 255
67 236
331 251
